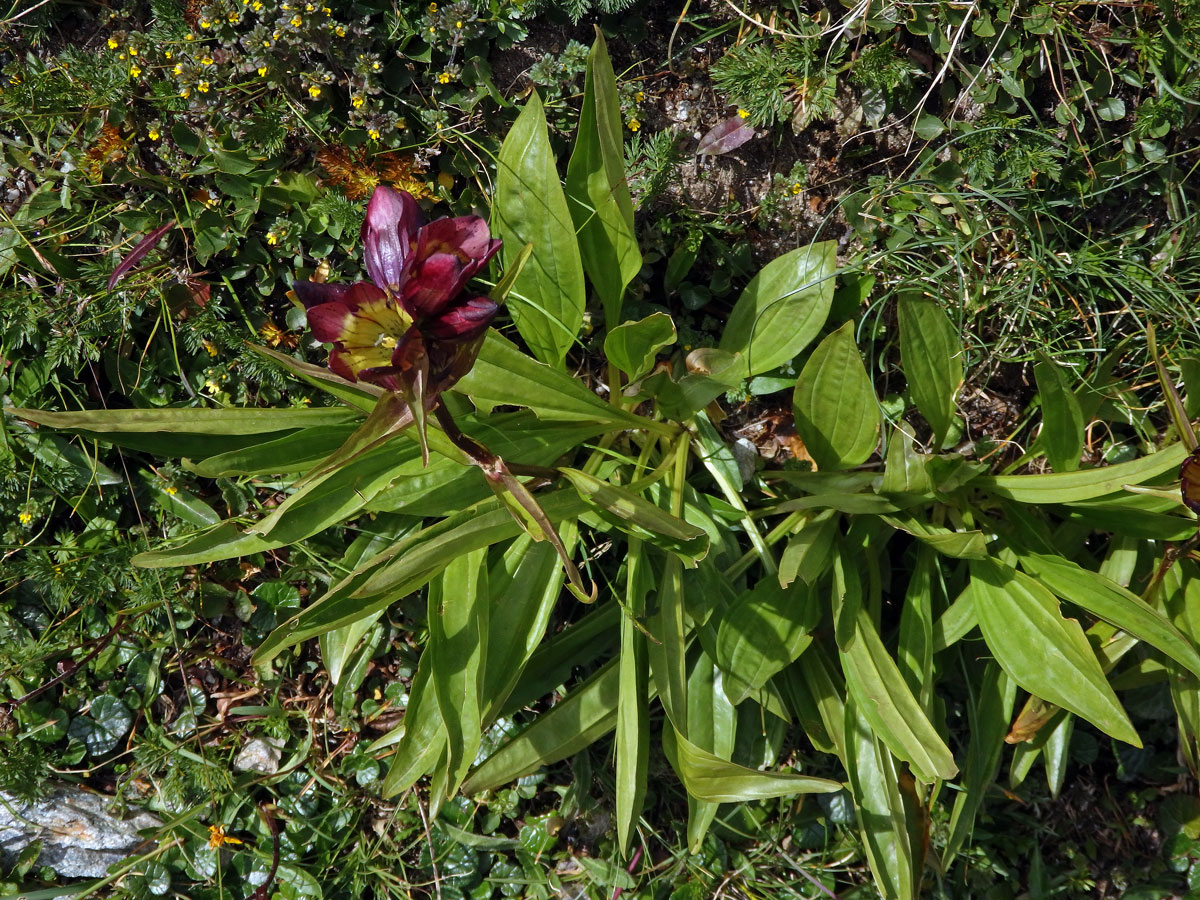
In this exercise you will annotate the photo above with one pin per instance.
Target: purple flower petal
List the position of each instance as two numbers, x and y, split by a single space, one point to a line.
312 293
387 234
465 322
466 236
329 321
432 283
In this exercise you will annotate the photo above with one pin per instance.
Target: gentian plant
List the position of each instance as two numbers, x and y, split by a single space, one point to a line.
784 621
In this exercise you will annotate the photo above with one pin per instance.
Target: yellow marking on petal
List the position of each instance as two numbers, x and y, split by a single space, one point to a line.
371 332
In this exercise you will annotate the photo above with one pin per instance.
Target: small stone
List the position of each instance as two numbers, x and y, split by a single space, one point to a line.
80 838
260 755
746 455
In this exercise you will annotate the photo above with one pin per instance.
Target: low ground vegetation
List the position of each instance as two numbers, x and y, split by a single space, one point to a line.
832 321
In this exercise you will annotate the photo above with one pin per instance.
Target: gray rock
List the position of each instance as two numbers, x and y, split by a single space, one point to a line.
260 755
80 838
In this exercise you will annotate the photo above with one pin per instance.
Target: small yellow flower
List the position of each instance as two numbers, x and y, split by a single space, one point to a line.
432 30
120 56
314 92
217 837
271 333
357 102
458 24
112 44
210 347
134 71
272 238
178 68
634 124
25 517
133 51
167 54
639 96
185 93
327 10
433 7
234 18
189 37
297 20
256 5
203 87
266 43
262 71
340 31
744 113
797 188
444 78
172 490
204 23
206 61
373 133
153 134
308 7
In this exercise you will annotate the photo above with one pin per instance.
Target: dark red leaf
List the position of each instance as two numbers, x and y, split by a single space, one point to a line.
725 136
144 246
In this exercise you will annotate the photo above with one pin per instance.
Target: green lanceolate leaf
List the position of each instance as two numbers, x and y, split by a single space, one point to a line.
353 393
989 717
597 193
834 403
905 472
667 651
407 566
591 638
184 504
882 697
503 375
823 681
424 737
958 544
633 346
529 579
640 518
712 727
1085 484
458 631
763 632
547 299
809 552
782 308
1047 655
1109 601
708 777
291 453
587 713
633 707
1062 420
931 353
914 647
886 811
192 433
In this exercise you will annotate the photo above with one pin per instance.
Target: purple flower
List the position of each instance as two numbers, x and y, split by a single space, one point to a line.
411 330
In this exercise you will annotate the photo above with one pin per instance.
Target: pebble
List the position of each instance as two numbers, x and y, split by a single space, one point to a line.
80 838
260 755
